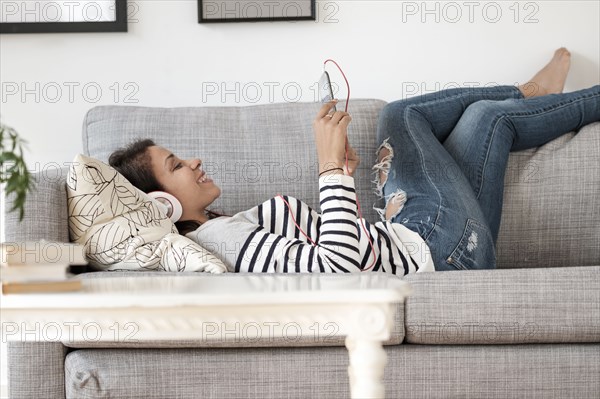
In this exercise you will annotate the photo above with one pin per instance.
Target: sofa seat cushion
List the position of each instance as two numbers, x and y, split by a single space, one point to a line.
228 340
553 305
207 373
412 371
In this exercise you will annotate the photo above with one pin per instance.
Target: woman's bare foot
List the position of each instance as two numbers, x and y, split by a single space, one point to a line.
551 78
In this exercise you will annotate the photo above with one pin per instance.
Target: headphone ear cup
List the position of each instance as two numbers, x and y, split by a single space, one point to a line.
168 204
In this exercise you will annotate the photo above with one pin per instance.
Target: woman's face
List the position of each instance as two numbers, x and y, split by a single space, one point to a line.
184 179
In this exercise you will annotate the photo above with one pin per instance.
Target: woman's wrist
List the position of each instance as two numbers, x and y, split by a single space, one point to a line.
331 171
326 166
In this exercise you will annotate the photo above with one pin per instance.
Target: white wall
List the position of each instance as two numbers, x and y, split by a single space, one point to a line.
168 59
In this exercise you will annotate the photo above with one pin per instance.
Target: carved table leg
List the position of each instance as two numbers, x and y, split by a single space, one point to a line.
367 362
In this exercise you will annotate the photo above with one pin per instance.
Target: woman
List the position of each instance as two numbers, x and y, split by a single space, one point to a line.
430 220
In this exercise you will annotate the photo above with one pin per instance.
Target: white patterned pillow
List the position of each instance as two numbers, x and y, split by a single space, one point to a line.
122 228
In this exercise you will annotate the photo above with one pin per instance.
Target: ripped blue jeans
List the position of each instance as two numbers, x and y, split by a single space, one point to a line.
443 156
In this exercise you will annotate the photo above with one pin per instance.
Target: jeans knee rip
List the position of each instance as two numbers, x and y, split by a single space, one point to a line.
395 201
382 167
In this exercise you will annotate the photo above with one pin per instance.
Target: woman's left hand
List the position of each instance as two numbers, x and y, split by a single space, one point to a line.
353 160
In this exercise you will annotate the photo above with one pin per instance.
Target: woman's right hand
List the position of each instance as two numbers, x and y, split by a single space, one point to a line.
331 131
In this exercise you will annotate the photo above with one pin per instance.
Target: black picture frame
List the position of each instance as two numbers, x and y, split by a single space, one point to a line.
205 19
119 25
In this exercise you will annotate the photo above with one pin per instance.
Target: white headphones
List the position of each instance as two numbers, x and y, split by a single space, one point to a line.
168 204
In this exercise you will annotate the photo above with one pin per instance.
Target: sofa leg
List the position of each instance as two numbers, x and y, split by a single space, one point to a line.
367 363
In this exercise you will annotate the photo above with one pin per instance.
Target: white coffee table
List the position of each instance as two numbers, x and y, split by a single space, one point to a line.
235 309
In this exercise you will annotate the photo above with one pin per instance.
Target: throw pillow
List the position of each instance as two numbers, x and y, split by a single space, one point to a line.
122 228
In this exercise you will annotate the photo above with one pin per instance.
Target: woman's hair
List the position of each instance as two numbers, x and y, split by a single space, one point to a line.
133 162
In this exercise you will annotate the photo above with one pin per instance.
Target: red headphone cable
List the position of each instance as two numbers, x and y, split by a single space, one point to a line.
347 170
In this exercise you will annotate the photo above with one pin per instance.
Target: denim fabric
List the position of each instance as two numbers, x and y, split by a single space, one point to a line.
450 151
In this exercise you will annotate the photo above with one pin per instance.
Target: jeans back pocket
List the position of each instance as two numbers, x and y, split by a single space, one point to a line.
475 249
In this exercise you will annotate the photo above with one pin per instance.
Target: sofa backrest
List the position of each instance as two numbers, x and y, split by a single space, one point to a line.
253 153
551 209
551 214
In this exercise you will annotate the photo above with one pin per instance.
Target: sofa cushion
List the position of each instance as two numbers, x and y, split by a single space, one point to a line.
412 371
25 360
517 306
208 373
121 227
551 210
46 216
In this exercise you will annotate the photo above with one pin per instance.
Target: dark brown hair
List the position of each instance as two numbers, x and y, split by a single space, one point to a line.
133 162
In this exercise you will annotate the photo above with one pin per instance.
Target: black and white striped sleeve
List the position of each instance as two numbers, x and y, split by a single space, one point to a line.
277 245
338 238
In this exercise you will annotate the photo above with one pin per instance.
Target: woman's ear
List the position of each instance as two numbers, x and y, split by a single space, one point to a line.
168 204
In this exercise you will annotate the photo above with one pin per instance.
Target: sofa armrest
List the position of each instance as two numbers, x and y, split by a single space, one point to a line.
46 212
36 370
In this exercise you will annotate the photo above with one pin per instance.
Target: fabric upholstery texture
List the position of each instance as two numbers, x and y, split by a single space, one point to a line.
493 371
121 227
46 216
36 370
551 211
413 371
517 306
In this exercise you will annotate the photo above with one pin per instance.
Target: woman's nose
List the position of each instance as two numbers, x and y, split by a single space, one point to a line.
195 164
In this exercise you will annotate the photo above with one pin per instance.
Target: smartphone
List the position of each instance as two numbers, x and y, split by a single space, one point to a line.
325 90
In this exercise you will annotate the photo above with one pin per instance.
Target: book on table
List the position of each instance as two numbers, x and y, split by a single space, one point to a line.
41 266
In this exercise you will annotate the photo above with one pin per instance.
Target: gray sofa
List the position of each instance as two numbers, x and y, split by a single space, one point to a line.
531 328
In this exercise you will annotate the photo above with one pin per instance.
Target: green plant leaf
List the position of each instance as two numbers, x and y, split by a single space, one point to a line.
13 169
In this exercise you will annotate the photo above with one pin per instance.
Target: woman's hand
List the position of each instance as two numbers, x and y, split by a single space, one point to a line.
331 133
353 161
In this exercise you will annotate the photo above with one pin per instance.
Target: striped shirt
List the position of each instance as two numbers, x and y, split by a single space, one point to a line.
265 239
